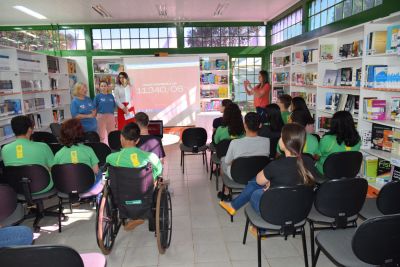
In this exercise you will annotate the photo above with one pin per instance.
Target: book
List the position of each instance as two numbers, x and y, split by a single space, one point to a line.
342 102
376 76
324 123
396 173
223 92
392 38
276 92
395 108
346 76
330 77
377 133
370 166
396 142
331 101
358 77
365 138
384 168
374 109
377 42
13 106
345 50
357 48
326 52
221 64
387 140
393 77
356 104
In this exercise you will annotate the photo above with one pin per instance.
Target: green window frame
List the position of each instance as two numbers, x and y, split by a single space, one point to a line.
287 27
72 39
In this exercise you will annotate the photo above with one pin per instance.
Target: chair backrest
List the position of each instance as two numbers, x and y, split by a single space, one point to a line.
8 202
132 189
91 137
388 201
287 205
44 137
377 241
343 165
114 140
245 169
38 175
101 150
222 147
72 178
40 256
55 129
341 199
55 147
194 137
156 127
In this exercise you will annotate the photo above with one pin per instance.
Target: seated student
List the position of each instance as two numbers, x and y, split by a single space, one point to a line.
272 127
233 124
284 102
74 151
342 136
23 151
15 236
147 142
132 157
291 170
298 103
219 121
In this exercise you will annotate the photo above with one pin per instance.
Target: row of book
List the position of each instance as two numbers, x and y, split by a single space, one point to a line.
300 78
354 49
10 107
102 67
374 167
339 102
305 56
6 85
29 85
342 77
58 115
380 109
280 61
220 92
309 98
388 41
211 78
27 64
212 105
34 104
217 64
276 92
382 76
280 77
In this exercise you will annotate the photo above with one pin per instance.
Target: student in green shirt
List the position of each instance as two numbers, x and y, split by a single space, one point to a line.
132 157
233 124
284 102
23 151
341 137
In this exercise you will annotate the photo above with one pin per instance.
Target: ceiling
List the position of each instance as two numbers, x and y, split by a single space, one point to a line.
133 11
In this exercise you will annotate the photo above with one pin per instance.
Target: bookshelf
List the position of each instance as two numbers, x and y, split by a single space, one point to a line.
106 69
336 55
35 85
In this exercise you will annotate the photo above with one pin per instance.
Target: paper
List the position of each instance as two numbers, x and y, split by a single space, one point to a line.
129 116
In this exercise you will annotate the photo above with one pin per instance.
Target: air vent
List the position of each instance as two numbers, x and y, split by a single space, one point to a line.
101 11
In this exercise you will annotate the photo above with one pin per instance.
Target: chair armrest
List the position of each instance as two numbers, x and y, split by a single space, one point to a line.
27 189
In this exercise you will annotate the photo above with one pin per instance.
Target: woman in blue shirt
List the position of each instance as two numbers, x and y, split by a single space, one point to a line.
82 108
105 106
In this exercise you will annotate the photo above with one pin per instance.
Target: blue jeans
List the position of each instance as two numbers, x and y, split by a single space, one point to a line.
251 193
15 236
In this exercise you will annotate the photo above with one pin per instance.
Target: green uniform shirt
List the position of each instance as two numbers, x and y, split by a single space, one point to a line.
76 154
310 147
25 152
329 145
285 116
133 157
222 133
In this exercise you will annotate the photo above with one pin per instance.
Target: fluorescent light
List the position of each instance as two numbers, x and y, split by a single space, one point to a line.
30 34
30 12
8 39
102 11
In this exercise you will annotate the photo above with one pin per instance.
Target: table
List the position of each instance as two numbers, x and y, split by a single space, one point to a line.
170 139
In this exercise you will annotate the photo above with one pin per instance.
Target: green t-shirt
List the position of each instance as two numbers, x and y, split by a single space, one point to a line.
76 154
222 133
285 116
310 147
25 152
329 145
133 157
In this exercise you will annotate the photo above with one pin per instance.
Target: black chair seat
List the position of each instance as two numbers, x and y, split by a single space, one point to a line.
370 210
228 182
320 179
15 217
336 245
215 159
190 149
317 217
259 222
48 194
212 147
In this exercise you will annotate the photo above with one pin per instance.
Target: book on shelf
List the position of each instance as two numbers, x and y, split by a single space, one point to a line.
395 108
366 140
392 39
221 64
223 92
108 67
358 77
276 92
396 142
353 49
387 140
6 132
277 62
310 78
205 64
55 100
4 62
13 106
370 166
71 67
212 105
39 103
384 169
281 77
297 57
346 76
29 105
298 78
376 42
377 134
26 64
309 98
53 64
6 86
326 52
393 77
58 115
330 77
342 102
324 123
286 61
376 76
331 101
396 173
374 109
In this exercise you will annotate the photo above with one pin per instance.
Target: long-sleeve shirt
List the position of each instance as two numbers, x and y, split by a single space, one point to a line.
122 95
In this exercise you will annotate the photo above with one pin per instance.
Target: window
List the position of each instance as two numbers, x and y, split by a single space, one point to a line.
72 39
134 38
287 27
246 68
224 36
28 40
323 12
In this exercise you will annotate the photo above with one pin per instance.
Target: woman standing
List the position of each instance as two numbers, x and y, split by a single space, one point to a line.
260 92
105 106
122 94
82 108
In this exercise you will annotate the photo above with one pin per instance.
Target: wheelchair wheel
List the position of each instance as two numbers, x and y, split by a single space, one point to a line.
163 219
107 223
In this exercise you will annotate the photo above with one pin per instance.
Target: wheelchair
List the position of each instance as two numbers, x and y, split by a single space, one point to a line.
131 193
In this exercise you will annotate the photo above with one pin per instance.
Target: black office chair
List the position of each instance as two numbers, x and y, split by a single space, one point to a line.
29 179
342 165
337 204
71 180
55 147
101 150
44 137
49 256
375 243
220 151
387 202
194 141
114 140
283 212
11 212
91 137
55 129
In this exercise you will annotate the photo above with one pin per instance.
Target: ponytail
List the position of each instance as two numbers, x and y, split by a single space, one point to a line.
308 178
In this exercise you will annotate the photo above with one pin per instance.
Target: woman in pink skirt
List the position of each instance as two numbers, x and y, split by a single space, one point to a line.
105 106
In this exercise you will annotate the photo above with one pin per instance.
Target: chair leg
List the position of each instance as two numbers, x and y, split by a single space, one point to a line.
181 158
205 155
217 176
303 238
259 247
211 168
246 228
59 214
316 257
312 243
183 162
202 155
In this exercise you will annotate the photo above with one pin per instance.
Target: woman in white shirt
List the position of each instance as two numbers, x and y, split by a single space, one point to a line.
122 95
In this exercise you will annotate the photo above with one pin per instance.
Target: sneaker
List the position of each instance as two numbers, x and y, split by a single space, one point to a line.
222 196
132 224
253 232
227 207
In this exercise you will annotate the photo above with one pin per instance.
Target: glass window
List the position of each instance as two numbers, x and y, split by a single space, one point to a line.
287 27
125 33
105 34
115 34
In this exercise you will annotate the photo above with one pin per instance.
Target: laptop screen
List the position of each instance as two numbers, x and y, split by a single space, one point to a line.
156 128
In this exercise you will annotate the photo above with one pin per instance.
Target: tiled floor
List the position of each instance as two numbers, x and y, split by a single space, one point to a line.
202 232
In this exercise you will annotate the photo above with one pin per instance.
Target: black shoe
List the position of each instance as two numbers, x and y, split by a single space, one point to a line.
222 196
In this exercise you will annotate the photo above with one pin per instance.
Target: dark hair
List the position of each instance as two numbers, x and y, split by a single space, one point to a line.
131 131
71 132
142 119
342 125
300 116
252 121
122 73
286 100
264 75
294 138
226 102
21 124
273 117
232 119
298 103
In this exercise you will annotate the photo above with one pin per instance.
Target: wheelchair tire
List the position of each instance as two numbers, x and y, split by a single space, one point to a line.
163 219
107 223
